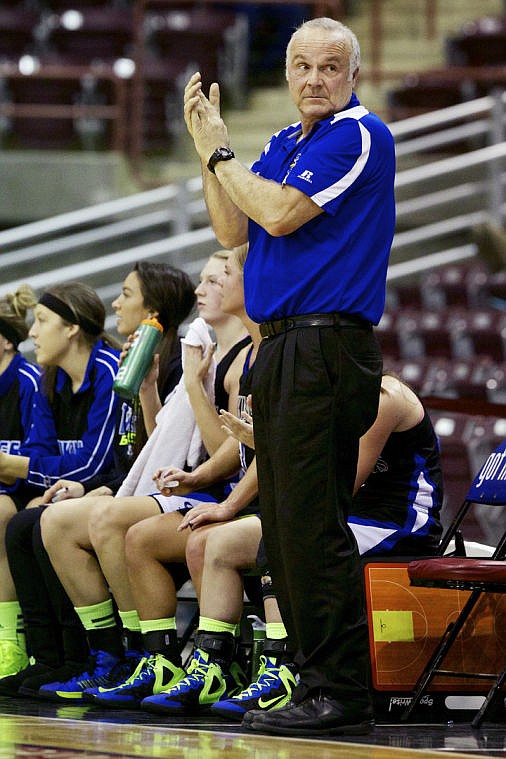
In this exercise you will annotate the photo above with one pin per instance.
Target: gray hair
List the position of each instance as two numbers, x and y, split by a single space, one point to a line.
331 25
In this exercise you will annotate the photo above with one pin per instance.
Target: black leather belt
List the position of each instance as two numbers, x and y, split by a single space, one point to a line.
276 327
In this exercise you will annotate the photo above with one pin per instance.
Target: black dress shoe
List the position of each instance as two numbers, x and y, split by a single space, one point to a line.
319 715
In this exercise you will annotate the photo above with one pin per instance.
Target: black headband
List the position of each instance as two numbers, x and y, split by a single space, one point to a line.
10 332
61 308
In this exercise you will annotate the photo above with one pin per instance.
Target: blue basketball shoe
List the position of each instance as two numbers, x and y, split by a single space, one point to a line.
100 666
204 684
152 675
272 690
118 675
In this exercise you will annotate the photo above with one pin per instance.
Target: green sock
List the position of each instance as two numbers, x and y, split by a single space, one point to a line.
132 636
156 625
130 620
11 622
275 630
97 616
206 624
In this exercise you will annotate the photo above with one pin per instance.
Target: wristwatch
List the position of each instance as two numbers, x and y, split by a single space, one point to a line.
220 154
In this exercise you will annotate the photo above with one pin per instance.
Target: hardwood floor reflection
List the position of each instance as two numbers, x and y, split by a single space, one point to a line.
45 731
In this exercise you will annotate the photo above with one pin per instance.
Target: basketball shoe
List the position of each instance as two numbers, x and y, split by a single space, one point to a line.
13 658
205 683
272 690
152 675
100 666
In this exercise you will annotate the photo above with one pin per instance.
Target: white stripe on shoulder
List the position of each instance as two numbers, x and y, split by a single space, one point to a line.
357 112
336 189
112 368
33 378
108 352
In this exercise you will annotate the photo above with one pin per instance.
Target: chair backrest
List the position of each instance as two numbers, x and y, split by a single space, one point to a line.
487 488
489 485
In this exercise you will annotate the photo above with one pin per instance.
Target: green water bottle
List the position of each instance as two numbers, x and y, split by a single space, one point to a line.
138 359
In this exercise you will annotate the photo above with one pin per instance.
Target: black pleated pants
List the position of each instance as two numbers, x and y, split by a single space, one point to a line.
315 392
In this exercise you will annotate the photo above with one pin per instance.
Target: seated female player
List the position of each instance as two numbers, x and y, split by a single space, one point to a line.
396 510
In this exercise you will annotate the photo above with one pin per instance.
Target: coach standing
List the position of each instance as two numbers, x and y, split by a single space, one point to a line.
318 211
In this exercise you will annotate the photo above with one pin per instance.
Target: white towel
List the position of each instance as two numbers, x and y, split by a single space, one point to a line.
176 439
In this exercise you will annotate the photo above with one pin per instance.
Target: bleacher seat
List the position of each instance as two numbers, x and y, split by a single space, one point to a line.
478 378
388 336
455 285
480 43
435 329
89 35
177 42
407 324
450 378
64 5
494 290
486 330
64 132
17 32
428 91
163 84
415 372
211 40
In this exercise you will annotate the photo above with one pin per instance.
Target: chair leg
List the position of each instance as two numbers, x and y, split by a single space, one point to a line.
439 653
428 672
494 690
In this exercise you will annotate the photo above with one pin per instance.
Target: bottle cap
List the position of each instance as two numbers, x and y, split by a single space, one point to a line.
153 322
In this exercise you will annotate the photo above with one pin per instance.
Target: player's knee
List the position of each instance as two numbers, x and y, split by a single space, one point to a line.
137 542
102 521
53 524
195 551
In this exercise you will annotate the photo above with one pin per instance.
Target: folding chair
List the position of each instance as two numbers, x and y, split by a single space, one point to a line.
478 575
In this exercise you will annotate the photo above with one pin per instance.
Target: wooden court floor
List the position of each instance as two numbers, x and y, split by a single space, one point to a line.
32 729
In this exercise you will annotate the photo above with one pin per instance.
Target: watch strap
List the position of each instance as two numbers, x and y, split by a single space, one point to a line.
220 154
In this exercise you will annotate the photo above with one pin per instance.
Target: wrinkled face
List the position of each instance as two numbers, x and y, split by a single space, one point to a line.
51 336
208 291
232 288
318 74
129 306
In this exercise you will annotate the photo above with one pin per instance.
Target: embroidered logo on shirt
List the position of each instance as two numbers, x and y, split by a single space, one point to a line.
306 176
380 466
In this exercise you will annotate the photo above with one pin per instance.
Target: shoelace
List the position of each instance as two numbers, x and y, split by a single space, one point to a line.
143 670
198 668
266 678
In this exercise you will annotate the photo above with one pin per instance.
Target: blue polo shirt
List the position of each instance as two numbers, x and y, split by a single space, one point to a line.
337 262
